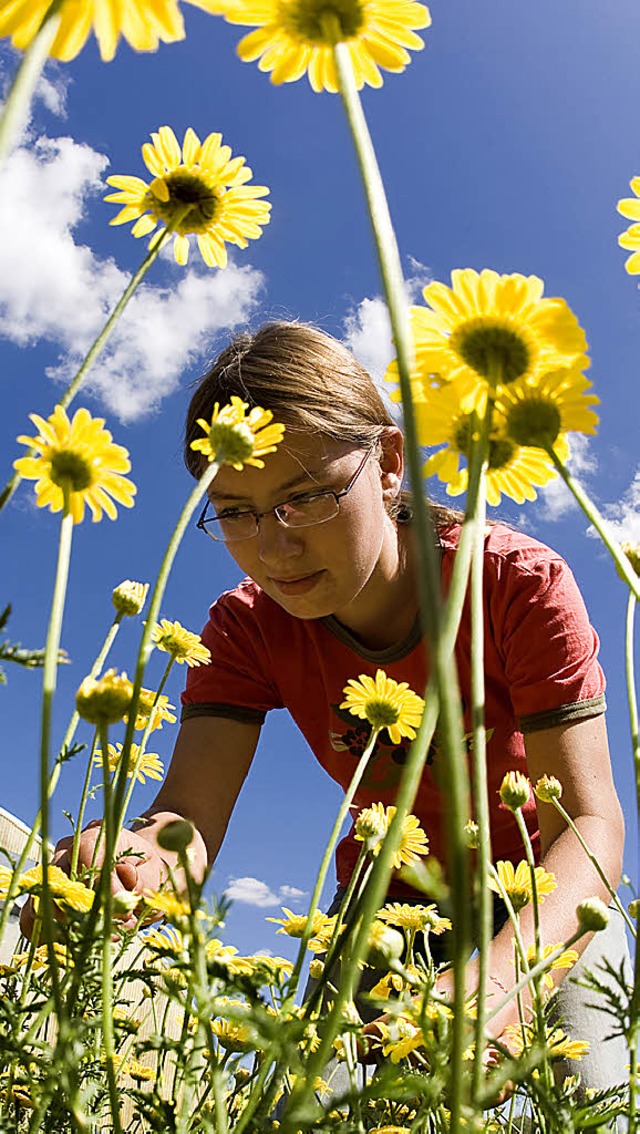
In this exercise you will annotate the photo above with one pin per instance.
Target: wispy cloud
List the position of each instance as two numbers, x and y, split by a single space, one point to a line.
55 289
253 892
555 500
368 328
623 517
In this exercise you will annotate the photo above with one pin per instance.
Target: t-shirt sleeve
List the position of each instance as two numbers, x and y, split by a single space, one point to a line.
238 681
548 645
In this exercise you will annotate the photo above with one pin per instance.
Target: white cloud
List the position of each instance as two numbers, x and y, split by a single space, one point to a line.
623 518
556 500
368 328
54 289
253 892
292 893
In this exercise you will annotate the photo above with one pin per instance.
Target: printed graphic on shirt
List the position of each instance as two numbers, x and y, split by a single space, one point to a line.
384 769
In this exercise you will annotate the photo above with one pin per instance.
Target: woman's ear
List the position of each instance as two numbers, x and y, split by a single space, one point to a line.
391 461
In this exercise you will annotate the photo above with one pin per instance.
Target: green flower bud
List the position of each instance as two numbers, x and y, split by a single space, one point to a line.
514 790
548 788
176 835
593 915
129 597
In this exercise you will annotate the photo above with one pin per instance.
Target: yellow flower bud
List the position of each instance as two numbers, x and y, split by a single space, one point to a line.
104 701
129 597
548 788
514 790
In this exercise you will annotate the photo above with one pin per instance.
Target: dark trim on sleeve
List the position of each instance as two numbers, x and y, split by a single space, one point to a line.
240 713
564 714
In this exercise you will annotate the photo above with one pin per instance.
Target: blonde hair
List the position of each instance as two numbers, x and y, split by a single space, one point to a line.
309 380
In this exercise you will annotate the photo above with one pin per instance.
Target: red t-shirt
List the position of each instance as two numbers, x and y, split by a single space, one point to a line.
541 670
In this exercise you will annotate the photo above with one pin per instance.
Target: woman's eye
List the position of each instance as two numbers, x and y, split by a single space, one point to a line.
232 513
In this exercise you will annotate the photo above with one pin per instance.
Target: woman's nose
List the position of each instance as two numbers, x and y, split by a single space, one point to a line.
277 542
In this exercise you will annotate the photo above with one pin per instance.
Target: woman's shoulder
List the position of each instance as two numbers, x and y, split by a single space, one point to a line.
502 543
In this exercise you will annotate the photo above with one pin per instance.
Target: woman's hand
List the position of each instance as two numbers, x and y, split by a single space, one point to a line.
140 869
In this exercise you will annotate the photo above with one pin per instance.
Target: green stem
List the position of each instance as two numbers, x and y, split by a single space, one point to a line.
328 854
596 865
146 643
588 507
479 750
81 808
372 900
634 1007
55 774
106 897
25 80
631 690
143 746
98 344
444 675
49 679
535 972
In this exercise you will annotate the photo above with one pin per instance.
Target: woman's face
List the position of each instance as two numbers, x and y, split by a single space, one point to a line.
337 567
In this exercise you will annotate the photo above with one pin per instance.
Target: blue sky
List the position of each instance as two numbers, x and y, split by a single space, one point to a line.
505 144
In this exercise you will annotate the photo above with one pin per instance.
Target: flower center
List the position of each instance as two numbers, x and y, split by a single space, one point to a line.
534 422
501 449
323 22
186 189
70 469
231 443
381 713
491 349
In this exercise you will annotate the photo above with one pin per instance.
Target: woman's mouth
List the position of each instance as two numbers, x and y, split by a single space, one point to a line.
301 585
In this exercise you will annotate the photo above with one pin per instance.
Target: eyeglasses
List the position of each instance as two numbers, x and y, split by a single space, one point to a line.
300 512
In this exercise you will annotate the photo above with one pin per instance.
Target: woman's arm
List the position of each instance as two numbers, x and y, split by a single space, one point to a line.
210 762
578 756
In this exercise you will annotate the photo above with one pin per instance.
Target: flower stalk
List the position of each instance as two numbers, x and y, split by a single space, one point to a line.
16 106
444 676
594 516
49 680
328 852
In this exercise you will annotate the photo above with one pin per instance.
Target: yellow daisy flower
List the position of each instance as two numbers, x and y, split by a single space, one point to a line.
536 413
159 712
79 456
399 1038
234 1035
385 703
630 207
197 188
237 438
445 415
294 925
487 329
297 37
558 1043
144 24
5 881
64 891
566 960
180 643
105 700
162 902
414 917
151 765
516 881
227 955
413 843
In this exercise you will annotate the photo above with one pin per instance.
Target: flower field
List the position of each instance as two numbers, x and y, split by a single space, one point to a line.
132 1011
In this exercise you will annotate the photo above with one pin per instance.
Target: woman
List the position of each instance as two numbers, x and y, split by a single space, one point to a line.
323 534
